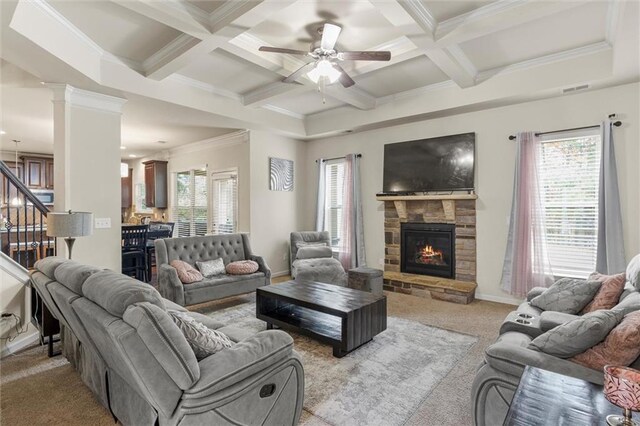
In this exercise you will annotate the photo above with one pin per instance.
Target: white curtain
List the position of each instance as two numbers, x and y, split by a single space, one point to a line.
320 207
610 252
352 253
526 263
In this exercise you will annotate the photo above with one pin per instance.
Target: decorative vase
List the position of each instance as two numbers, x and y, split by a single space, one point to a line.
622 388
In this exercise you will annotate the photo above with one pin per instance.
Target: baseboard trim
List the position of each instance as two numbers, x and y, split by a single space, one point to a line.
19 344
280 274
498 299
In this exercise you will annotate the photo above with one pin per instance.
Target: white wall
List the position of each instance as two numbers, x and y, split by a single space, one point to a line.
275 214
222 153
495 158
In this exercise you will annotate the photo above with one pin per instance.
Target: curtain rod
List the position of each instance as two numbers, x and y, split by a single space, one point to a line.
338 158
611 116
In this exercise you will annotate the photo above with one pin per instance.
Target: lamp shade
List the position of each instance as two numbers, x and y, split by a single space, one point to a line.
69 224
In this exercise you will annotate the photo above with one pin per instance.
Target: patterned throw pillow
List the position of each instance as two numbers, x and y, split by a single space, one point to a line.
609 294
242 267
186 273
574 337
568 295
621 346
211 268
204 341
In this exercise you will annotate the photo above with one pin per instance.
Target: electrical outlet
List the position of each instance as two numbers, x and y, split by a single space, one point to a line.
103 222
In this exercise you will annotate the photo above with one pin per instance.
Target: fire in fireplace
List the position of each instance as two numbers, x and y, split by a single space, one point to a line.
428 249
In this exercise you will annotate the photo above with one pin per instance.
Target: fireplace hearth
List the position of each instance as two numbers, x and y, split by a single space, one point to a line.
428 249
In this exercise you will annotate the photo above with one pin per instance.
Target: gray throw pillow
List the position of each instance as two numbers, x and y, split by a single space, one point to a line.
568 295
313 252
211 268
633 272
203 340
575 337
301 244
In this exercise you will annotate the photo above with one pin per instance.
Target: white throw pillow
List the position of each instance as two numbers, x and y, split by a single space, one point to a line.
211 268
203 340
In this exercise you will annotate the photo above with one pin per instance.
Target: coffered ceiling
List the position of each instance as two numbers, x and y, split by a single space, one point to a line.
445 55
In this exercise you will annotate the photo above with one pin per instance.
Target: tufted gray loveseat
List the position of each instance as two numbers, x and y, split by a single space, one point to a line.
228 247
118 334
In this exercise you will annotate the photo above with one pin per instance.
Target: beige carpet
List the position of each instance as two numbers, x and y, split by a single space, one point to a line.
36 390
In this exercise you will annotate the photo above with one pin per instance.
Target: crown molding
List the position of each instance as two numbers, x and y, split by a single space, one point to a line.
86 99
233 138
283 111
169 50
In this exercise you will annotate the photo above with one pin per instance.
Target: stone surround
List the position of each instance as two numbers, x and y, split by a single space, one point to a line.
453 209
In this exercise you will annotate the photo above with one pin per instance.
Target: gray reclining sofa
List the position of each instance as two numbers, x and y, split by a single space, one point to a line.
499 374
229 247
117 334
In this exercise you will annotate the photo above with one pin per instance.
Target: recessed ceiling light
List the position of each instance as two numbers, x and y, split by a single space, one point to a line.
123 147
2 132
132 155
163 142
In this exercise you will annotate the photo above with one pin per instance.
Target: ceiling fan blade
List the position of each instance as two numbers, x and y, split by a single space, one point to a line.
344 78
303 69
330 35
282 50
381 55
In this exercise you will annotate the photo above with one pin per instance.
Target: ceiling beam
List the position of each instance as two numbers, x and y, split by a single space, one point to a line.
180 15
454 63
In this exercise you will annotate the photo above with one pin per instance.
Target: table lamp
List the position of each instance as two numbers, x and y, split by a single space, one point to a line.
622 388
69 225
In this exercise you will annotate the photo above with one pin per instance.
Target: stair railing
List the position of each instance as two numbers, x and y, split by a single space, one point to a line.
23 222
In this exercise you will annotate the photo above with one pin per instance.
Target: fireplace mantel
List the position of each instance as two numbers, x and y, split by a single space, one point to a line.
448 202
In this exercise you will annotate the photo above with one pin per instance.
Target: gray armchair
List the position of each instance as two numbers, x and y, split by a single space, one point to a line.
324 268
229 247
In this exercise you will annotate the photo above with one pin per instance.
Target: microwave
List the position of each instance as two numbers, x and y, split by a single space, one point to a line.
44 195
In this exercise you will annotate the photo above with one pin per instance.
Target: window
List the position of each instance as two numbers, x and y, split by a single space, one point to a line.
334 183
224 202
190 203
569 177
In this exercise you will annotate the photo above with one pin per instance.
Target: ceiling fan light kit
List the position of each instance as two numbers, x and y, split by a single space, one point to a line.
326 58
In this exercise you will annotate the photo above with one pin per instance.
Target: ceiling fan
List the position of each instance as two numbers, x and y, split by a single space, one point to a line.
326 58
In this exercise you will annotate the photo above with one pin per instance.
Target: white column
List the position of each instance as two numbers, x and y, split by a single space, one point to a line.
86 148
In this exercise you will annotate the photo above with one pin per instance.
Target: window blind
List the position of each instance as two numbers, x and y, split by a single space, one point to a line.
224 203
569 179
190 207
334 183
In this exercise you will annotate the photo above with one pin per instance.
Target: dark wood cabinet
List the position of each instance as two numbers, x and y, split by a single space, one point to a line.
127 190
38 172
155 182
9 191
48 173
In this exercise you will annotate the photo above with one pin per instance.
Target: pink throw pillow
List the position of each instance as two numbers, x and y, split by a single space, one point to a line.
242 267
187 273
609 293
621 346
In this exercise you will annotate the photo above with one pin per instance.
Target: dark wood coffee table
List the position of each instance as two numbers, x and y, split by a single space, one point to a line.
343 317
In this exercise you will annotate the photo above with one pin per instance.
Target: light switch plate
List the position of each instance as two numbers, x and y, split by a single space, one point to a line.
103 222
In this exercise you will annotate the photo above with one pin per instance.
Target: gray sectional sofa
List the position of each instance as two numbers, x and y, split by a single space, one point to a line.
118 335
498 375
229 247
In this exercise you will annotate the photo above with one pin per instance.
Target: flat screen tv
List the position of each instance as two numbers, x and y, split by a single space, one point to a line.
437 164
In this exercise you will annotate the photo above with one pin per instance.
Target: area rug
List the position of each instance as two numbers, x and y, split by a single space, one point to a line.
380 383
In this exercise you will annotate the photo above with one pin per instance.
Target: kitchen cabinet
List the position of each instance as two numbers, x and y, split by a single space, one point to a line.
38 172
127 190
155 182
9 191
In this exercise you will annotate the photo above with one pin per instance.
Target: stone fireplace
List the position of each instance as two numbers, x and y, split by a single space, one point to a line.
430 246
